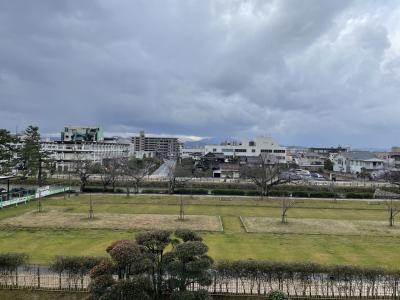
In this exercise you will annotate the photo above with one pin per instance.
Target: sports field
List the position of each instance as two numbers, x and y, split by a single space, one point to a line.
324 231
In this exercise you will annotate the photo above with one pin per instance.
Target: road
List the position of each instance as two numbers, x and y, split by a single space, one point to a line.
163 170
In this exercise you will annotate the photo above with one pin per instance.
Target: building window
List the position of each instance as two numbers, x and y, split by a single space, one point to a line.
279 151
253 150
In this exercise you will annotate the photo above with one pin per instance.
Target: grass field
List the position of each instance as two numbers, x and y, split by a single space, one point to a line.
303 242
58 219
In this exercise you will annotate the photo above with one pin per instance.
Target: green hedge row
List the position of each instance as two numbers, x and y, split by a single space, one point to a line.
154 191
229 192
100 189
191 191
359 195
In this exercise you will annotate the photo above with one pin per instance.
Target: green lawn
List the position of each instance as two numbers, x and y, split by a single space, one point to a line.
233 243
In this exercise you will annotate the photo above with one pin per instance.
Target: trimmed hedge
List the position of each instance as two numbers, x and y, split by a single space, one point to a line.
359 195
99 189
229 192
191 191
323 194
301 194
154 191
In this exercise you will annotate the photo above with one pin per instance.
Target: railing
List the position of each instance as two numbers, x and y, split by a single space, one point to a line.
25 199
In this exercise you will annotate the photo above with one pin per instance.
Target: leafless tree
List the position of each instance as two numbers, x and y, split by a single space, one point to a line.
181 210
393 177
178 172
135 170
393 209
265 175
110 171
287 203
392 203
83 169
91 211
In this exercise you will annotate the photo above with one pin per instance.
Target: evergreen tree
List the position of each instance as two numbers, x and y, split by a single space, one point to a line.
30 153
7 152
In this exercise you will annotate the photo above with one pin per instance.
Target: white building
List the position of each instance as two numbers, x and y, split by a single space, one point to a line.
66 153
194 153
309 160
256 147
355 161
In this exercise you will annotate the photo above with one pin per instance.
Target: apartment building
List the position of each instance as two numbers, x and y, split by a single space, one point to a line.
162 146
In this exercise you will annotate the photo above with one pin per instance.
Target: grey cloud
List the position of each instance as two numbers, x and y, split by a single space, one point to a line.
309 72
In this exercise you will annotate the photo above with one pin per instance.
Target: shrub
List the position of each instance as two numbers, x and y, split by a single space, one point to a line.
359 195
228 192
154 191
188 235
279 193
276 295
323 194
252 193
99 189
9 262
300 194
191 191
188 295
74 265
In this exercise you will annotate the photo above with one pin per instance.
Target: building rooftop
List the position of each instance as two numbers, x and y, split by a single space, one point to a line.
360 155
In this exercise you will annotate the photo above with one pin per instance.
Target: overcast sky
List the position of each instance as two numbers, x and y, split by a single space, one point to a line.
304 72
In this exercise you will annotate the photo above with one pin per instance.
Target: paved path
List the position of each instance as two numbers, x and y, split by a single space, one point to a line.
163 170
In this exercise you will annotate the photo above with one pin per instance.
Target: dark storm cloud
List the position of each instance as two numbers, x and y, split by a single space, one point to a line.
309 72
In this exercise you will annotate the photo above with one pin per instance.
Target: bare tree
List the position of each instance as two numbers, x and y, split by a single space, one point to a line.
393 177
265 175
91 212
135 170
178 172
393 209
181 210
392 203
287 203
83 169
109 171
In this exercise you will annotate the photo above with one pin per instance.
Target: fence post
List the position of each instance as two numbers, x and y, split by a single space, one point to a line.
38 276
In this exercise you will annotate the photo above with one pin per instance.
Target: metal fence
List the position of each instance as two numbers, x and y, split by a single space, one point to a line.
318 287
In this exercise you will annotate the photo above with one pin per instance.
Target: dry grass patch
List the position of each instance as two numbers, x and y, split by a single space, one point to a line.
320 226
61 219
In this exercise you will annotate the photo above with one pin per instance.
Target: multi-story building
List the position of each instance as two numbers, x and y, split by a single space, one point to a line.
80 134
162 146
66 154
256 147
